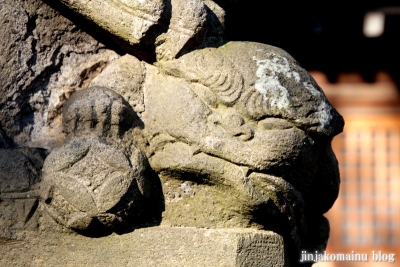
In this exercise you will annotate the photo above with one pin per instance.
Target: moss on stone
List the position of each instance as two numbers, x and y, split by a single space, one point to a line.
205 206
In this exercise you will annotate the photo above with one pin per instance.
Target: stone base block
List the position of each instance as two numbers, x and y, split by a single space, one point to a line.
154 246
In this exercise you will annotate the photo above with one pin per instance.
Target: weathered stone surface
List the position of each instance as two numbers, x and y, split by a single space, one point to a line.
129 19
237 134
215 25
156 246
17 172
124 76
260 81
172 27
185 26
91 179
97 110
20 174
87 180
44 58
240 134
5 141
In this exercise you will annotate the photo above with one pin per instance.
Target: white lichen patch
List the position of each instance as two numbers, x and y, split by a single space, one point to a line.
270 73
312 89
268 83
324 108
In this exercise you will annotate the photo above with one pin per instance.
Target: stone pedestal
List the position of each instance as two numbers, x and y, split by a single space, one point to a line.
154 246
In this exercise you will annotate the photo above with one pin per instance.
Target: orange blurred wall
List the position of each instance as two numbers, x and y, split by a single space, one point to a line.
366 215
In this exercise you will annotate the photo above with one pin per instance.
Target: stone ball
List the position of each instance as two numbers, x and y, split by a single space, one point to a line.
89 184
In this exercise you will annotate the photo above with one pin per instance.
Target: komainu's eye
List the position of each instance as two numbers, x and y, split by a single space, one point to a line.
275 124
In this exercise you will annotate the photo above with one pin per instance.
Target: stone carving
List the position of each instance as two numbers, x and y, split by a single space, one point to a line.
174 27
128 19
45 59
92 181
98 111
236 133
243 118
20 171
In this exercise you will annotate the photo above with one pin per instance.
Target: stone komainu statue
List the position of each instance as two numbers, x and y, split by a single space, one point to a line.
214 134
239 136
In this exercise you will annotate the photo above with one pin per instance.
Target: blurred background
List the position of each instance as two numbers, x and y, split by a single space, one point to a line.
352 51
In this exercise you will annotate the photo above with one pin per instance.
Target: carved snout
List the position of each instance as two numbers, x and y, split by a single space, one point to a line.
235 126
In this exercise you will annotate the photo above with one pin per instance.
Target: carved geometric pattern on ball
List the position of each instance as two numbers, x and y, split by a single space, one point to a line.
88 179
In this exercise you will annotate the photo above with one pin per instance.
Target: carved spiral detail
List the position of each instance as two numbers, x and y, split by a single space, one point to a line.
220 77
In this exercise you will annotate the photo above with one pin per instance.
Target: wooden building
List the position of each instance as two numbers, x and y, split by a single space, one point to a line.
366 215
